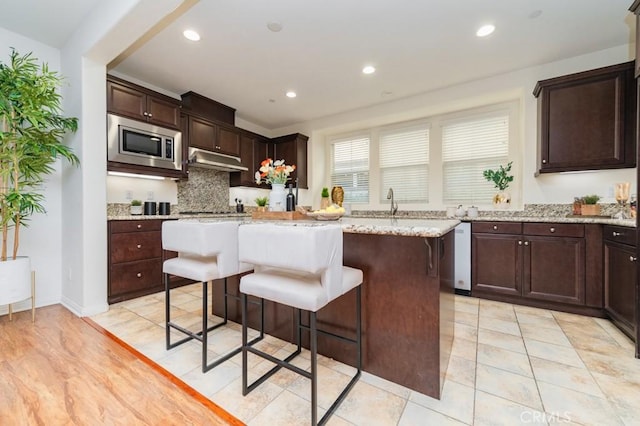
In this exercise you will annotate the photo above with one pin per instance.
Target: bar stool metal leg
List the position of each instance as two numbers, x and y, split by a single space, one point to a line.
314 368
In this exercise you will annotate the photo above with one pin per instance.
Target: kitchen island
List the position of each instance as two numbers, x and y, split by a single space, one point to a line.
407 301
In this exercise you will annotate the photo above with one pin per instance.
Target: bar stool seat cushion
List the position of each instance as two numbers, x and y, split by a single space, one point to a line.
351 278
192 267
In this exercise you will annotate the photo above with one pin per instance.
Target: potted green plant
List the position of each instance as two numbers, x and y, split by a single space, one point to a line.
32 130
590 206
136 207
262 202
501 180
324 198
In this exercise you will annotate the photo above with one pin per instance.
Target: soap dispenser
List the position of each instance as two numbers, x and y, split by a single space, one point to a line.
291 200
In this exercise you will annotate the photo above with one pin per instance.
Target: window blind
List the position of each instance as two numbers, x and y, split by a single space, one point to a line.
350 168
404 163
468 148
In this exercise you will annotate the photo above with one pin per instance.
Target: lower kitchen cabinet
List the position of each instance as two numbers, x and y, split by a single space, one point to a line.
620 269
135 259
538 264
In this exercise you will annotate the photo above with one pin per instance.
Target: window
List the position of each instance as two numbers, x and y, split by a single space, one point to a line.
430 163
350 167
404 163
470 146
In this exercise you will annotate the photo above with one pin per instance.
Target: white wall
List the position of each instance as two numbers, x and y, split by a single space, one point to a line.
41 240
546 189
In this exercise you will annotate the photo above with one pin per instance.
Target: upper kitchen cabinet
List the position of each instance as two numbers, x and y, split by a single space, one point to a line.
587 120
253 149
210 136
133 101
293 149
196 104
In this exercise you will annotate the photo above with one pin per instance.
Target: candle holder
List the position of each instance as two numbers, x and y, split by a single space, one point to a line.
622 197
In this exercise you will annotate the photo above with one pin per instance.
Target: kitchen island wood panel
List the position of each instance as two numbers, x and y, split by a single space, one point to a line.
407 309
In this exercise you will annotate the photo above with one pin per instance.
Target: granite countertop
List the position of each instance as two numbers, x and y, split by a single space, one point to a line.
418 223
631 223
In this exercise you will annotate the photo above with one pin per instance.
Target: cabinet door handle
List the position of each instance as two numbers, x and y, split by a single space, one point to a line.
544 161
526 243
150 115
552 229
519 243
616 234
146 114
430 264
632 258
139 226
139 274
495 227
139 246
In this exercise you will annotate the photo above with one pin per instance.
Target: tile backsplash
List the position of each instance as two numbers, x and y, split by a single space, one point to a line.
205 190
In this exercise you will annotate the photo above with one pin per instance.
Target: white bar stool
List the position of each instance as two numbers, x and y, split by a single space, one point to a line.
303 269
207 251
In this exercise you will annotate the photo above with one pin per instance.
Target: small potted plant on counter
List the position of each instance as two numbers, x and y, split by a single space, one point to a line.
590 206
501 180
324 200
136 207
262 202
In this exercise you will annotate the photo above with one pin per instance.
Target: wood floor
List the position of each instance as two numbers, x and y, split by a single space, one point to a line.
66 370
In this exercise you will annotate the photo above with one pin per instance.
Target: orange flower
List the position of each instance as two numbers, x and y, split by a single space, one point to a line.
273 171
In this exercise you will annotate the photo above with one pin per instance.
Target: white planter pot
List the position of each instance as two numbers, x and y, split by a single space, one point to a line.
277 198
15 280
502 200
136 210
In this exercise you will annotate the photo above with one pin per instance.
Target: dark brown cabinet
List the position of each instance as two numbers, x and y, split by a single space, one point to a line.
620 275
293 149
496 258
133 101
135 259
214 137
587 120
253 149
542 264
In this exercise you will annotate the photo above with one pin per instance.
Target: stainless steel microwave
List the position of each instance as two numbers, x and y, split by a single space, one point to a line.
136 142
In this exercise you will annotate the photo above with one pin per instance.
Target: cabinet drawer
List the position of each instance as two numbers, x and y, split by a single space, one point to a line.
497 227
127 247
133 276
620 234
116 226
554 229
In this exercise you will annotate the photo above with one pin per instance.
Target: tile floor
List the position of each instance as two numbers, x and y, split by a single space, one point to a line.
510 365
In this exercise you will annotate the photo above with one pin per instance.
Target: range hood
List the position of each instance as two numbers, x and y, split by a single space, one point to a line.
213 160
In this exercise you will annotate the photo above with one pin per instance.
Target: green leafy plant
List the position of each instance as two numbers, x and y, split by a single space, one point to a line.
325 193
136 202
500 178
31 133
262 201
591 199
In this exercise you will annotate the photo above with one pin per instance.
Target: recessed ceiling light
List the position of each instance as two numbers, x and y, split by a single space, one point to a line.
291 94
274 26
191 35
368 69
485 30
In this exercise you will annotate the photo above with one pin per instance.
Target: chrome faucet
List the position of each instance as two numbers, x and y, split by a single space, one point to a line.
394 206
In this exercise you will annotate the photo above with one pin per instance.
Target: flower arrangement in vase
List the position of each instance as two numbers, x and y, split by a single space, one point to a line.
277 174
501 180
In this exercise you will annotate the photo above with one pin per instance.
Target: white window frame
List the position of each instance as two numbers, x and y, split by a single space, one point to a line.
377 199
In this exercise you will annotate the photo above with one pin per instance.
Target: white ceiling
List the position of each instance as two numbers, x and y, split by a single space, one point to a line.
415 45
